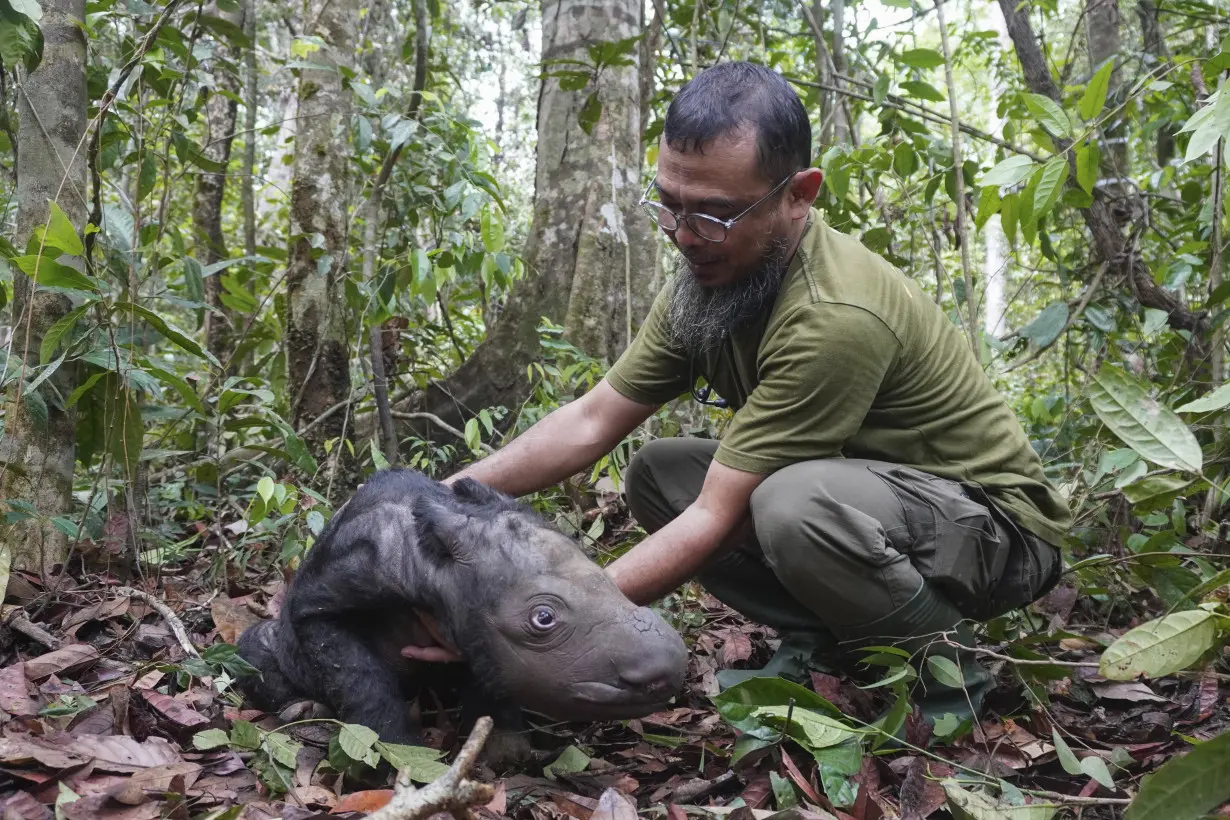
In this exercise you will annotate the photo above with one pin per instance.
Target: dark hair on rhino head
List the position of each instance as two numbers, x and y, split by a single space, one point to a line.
734 95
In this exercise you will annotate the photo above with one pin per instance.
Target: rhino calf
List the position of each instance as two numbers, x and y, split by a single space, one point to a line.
541 627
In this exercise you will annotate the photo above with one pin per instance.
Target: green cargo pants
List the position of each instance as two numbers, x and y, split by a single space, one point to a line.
865 550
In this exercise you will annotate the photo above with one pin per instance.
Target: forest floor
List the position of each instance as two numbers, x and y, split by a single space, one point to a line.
100 703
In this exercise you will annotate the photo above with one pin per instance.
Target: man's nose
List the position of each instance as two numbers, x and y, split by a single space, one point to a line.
685 237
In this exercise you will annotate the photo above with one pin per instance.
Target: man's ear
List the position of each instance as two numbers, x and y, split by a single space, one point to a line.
802 191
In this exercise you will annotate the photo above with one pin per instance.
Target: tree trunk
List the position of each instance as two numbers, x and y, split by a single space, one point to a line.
318 362
38 456
1102 27
588 248
220 116
251 101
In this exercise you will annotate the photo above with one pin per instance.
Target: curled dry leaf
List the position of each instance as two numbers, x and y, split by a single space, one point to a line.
119 753
614 805
64 659
101 611
1134 692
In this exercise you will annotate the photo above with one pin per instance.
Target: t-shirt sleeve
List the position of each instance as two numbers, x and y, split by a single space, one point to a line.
652 370
819 375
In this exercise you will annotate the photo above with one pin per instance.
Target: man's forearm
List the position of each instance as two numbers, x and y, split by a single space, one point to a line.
669 557
558 446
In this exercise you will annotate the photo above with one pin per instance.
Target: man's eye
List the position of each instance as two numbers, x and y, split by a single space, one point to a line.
543 618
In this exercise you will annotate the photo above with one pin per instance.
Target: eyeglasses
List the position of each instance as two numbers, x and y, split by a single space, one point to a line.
706 227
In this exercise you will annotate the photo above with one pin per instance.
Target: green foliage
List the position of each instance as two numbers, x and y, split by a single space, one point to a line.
1186 787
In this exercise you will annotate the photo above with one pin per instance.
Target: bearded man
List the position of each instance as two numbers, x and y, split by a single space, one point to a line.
871 486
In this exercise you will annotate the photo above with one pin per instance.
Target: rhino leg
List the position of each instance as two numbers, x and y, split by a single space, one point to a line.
271 689
508 745
352 677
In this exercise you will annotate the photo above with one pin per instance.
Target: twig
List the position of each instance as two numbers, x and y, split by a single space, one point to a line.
21 623
694 790
452 791
959 177
987 653
1076 314
442 424
173 621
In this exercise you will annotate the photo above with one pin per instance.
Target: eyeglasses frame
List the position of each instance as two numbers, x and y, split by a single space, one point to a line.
680 217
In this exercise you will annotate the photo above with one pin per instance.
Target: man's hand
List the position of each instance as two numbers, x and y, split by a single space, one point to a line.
675 553
438 651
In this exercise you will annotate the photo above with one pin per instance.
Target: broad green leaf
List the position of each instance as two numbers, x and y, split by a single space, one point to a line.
590 113
1095 93
923 91
1210 124
170 331
1009 172
61 234
966 805
813 730
1155 486
1066 758
1049 114
21 42
421 763
904 159
1160 647
282 748
945 671
58 331
1187 787
148 176
29 8
570 761
82 389
784 794
493 232
1047 325
1216 400
356 740
472 435
264 488
1095 767
737 703
1088 163
50 273
122 417
177 384
988 204
922 58
879 92
245 734
1141 422
1050 186
210 739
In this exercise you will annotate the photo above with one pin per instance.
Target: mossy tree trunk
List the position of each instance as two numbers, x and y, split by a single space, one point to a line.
317 359
589 249
220 117
37 451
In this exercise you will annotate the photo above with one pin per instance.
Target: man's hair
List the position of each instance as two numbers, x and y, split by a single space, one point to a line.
736 95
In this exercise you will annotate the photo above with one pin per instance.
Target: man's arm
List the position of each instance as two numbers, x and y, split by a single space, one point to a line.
675 553
561 444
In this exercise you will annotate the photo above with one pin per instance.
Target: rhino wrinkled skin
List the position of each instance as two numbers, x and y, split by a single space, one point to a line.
541 626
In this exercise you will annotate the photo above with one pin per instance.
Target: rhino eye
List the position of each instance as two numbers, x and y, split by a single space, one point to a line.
543 618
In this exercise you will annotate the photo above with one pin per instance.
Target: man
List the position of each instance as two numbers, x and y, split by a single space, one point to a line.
871 484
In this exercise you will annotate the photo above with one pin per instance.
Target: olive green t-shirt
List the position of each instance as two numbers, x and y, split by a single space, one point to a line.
853 360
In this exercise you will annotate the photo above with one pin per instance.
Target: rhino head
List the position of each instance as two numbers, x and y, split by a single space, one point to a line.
538 621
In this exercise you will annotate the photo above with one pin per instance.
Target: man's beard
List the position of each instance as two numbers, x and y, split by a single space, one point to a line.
701 318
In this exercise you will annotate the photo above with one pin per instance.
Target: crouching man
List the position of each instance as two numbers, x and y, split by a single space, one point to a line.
872 486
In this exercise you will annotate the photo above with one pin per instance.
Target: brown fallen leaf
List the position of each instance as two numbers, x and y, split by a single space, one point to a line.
19 750
63 659
736 647
498 803
231 618
1133 691
574 805
15 696
367 801
160 778
119 753
167 706
614 805
102 807
101 611
315 796
921 793
21 806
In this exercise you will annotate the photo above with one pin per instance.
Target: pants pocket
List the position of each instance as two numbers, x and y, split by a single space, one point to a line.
956 544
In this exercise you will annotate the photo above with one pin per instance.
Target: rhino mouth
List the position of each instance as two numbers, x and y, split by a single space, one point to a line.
599 694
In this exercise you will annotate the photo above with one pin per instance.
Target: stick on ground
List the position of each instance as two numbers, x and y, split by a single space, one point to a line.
452 791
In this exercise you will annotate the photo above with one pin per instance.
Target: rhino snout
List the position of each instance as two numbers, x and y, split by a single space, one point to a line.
658 659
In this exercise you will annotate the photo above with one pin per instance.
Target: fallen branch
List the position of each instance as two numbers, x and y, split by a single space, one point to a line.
452 791
442 424
173 621
21 623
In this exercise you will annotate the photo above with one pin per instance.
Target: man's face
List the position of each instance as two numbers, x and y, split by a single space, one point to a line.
722 182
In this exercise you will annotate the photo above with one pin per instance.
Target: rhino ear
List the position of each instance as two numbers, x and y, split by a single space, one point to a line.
447 533
467 489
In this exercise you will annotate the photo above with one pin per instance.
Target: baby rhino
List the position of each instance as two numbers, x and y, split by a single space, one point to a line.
410 561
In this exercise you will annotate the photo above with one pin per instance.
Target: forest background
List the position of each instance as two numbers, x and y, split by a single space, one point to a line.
253 251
